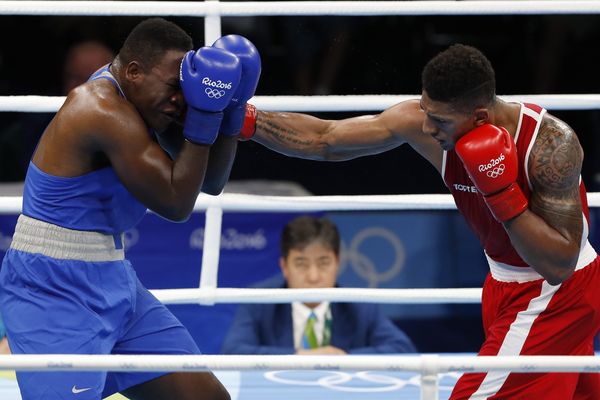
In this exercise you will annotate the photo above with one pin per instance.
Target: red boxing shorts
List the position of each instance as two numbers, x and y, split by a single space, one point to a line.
531 317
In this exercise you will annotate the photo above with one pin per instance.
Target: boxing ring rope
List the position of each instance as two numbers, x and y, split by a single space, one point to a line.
208 292
283 8
431 363
330 103
210 295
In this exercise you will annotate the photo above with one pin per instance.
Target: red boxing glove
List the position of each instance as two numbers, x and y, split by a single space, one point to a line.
489 155
249 126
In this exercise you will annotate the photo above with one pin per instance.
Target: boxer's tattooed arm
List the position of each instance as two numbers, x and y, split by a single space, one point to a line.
554 169
292 134
282 134
306 136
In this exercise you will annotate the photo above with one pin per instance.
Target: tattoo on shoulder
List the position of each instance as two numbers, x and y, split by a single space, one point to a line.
556 157
280 134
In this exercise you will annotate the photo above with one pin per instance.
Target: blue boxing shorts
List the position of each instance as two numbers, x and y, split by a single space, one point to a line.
58 297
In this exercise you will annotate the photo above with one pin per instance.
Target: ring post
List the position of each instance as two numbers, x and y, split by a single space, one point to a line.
210 251
212 22
429 376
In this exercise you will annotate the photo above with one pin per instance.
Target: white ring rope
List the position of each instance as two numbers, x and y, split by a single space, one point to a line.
429 363
210 296
315 8
253 203
250 203
331 103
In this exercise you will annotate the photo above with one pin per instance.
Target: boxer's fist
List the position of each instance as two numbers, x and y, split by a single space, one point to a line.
209 78
236 117
490 157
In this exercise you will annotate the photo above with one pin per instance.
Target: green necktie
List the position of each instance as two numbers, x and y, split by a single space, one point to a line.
327 329
309 338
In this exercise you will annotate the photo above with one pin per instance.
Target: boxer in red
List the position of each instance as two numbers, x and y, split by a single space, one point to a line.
514 171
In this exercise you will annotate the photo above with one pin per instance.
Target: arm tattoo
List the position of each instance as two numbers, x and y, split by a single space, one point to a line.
280 134
555 160
554 169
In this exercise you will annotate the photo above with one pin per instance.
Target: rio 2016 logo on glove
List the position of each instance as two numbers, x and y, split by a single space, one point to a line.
212 91
493 162
216 84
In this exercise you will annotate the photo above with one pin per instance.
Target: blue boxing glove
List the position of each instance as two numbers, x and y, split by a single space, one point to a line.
209 77
235 112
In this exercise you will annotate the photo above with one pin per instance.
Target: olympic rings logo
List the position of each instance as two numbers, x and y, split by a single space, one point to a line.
357 382
214 93
364 266
496 172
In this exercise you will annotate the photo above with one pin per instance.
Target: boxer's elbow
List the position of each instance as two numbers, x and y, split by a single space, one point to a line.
558 278
555 261
175 211
565 266
212 190
214 187
557 274
175 216
179 218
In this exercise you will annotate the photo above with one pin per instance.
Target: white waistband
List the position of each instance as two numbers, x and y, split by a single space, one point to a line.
35 236
510 273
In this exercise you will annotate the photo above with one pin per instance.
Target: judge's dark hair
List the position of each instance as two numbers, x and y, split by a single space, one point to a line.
302 231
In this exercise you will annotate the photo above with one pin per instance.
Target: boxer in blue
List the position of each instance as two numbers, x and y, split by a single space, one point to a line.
114 149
